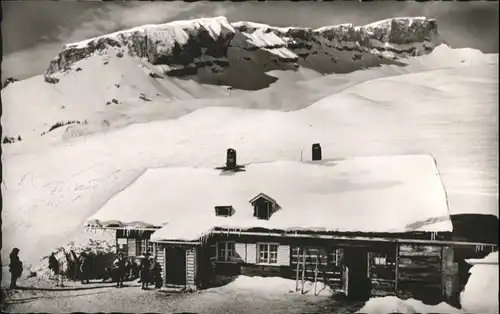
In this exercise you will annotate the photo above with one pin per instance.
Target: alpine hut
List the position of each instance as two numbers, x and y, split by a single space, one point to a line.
364 225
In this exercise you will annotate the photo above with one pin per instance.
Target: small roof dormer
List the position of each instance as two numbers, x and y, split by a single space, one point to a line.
224 211
264 206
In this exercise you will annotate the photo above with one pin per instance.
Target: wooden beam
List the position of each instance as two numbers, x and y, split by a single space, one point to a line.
165 266
316 276
356 238
303 270
127 228
297 280
177 242
397 270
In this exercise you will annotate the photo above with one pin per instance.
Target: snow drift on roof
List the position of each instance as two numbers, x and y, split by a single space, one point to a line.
366 194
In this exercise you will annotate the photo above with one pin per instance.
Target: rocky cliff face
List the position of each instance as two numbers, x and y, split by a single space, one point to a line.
182 47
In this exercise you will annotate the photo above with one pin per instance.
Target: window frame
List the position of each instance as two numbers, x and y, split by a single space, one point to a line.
336 256
269 244
144 246
227 208
227 257
381 259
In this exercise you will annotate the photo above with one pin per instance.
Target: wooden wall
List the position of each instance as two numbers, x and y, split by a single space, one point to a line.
382 276
328 272
160 258
191 267
419 271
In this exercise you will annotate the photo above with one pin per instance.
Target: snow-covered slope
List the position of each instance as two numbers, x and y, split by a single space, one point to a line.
443 103
130 76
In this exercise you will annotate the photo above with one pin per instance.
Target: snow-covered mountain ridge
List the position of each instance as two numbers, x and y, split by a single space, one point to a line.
181 47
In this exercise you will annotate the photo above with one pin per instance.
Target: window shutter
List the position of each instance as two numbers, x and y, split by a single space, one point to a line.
132 247
284 255
241 254
251 253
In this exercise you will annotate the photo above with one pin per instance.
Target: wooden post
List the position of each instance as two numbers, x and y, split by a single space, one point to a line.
165 265
316 276
396 271
297 274
303 269
450 289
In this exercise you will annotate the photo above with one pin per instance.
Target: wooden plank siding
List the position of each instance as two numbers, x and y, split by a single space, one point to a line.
329 268
165 263
407 270
382 271
419 271
191 267
160 258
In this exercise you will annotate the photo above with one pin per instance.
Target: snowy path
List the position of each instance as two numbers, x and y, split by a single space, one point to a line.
100 297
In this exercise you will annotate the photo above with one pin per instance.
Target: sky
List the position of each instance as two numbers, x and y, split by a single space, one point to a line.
33 32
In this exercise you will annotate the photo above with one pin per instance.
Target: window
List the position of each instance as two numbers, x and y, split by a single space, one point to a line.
262 210
381 259
268 253
264 206
336 257
225 251
145 246
224 211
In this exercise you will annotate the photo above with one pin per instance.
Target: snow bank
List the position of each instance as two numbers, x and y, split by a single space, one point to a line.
393 304
276 285
480 294
95 249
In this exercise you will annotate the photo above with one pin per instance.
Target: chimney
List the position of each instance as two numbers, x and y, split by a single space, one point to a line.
231 158
316 152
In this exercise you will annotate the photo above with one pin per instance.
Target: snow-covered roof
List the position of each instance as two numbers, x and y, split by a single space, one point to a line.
366 194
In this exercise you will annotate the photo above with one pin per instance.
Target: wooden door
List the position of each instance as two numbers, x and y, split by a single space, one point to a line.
176 266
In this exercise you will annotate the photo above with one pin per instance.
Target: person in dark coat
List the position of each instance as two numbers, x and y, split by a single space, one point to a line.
120 264
157 280
84 268
15 267
56 268
145 265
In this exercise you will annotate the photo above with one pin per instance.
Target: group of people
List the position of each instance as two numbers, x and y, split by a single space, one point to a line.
81 268
150 272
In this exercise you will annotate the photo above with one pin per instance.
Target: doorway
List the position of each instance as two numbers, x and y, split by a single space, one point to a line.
176 266
357 282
